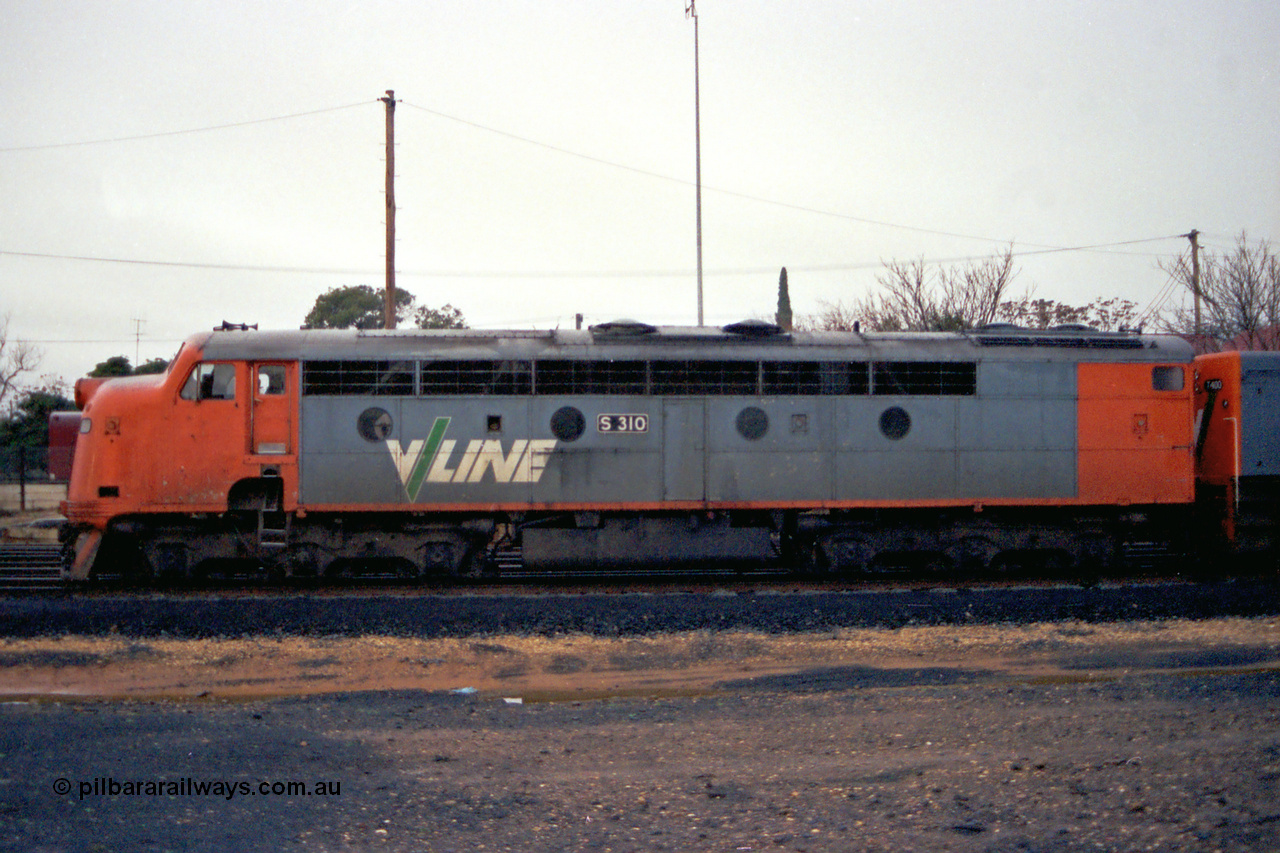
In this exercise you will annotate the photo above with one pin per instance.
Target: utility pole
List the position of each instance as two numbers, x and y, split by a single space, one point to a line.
389 300
1194 236
137 340
692 12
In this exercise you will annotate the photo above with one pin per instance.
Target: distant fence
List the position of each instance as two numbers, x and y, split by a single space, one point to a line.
25 479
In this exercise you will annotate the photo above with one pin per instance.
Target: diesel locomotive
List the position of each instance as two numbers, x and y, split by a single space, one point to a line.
1238 452
435 453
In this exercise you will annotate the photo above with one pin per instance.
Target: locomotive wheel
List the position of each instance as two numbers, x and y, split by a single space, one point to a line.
475 565
937 564
128 559
973 555
407 570
844 555
1089 572
341 569
1057 564
1005 563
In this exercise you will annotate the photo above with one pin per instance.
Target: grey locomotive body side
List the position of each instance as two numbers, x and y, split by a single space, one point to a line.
584 447
1006 430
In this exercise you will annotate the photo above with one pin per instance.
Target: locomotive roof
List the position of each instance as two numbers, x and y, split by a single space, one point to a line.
630 340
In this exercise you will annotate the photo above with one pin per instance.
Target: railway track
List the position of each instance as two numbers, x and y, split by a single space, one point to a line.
26 568
616 610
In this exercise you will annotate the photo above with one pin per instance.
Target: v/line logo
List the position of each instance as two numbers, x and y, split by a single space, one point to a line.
431 460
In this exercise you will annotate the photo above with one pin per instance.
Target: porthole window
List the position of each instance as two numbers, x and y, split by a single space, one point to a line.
752 423
375 424
567 424
895 423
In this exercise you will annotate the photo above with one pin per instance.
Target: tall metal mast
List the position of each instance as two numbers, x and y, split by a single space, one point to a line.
692 12
389 300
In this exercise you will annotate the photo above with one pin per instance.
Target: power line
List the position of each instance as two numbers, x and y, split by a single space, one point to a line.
554 274
1037 248
748 197
1158 301
684 182
189 264
161 134
549 147
150 341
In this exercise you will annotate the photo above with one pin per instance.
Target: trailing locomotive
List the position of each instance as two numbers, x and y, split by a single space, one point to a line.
432 452
1238 451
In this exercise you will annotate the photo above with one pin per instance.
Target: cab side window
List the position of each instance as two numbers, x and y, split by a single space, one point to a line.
209 381
270 380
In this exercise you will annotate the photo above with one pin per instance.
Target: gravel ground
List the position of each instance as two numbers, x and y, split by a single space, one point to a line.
1134 718
837 763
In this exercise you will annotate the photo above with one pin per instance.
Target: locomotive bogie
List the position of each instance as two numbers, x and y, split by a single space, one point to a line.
196 546
992 543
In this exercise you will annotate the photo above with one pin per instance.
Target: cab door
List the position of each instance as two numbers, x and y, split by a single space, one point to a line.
203 450
272 408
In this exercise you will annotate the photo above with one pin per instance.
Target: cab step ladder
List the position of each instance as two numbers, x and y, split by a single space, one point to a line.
273 526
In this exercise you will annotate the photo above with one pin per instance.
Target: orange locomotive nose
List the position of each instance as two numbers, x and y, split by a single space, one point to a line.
86 388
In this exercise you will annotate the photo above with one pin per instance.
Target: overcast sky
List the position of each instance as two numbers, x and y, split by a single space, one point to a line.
545 154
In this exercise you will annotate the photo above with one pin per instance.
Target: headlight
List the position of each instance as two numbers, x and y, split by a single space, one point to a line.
86 424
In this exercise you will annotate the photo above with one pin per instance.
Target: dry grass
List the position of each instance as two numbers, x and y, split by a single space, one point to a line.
585 666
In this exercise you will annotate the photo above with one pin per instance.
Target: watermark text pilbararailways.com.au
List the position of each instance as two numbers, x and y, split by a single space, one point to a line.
187 786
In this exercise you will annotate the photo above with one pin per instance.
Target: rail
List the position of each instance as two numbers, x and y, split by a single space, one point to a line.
30 567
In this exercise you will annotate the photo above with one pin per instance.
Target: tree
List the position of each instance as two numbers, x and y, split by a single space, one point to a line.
444 317
117 365
27 426
152 365
831 317
919 298
784 318
1240 295
16 359
1106 315
356 306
